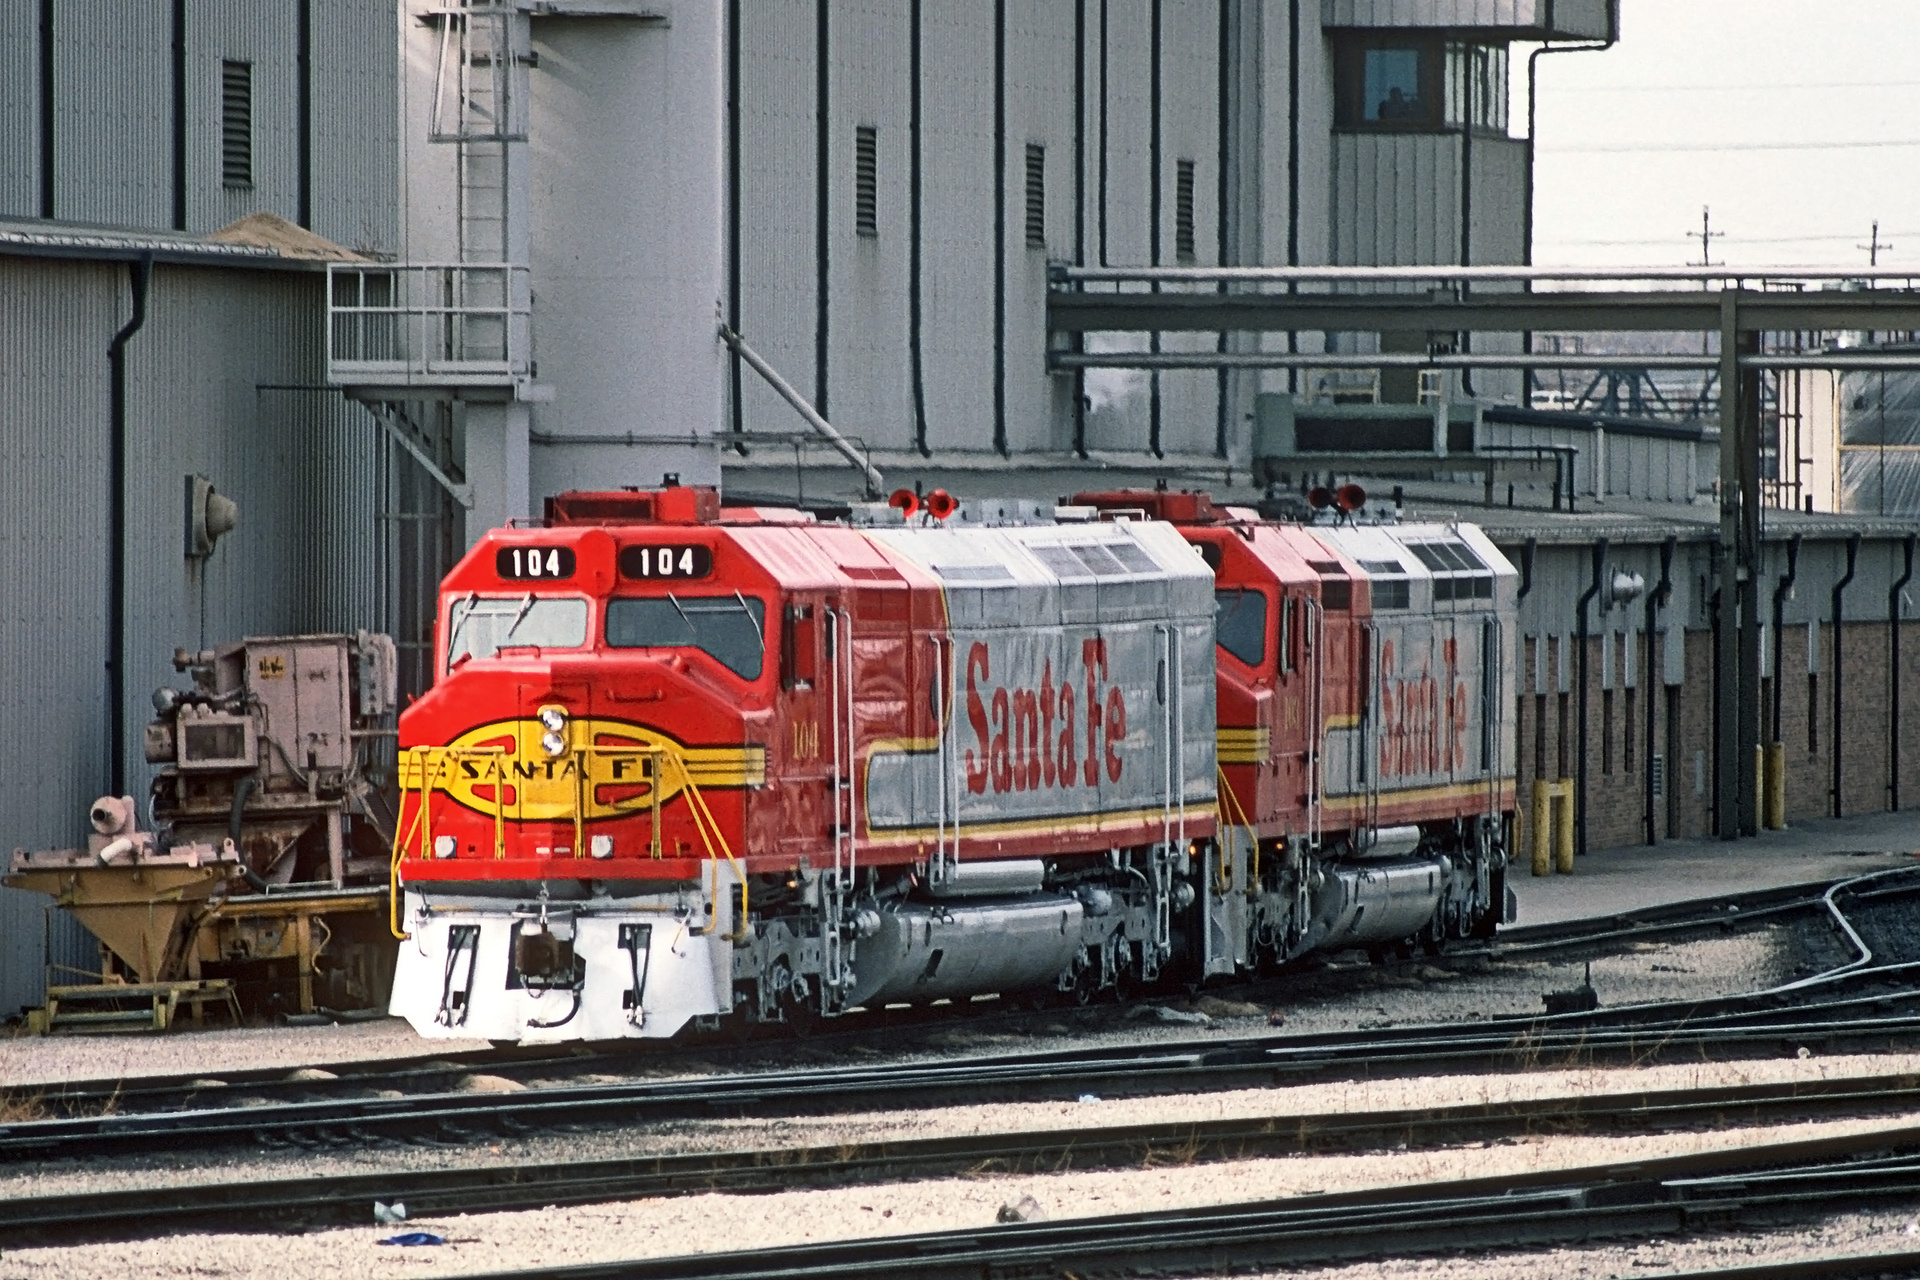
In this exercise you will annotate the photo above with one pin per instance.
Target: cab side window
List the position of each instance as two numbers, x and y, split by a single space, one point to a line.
799 648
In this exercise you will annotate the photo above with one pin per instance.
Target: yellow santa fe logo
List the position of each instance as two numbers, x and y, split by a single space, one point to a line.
610 769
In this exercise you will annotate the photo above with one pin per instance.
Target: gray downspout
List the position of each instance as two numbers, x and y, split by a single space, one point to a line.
1527 553
140 277
1656 601
1580 768
1533 97
1780 594
1839 661
1893 677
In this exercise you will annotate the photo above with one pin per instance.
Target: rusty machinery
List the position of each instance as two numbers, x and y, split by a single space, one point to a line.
262 864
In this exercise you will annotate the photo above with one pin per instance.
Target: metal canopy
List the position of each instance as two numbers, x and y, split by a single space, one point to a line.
1740 305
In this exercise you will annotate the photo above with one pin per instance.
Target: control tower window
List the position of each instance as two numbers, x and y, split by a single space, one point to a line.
480 626
729 629
1388 84
1240 624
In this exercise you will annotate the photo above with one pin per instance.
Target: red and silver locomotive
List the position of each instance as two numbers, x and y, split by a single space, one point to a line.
684 762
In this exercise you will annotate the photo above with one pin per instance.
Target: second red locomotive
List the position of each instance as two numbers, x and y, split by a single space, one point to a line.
690 762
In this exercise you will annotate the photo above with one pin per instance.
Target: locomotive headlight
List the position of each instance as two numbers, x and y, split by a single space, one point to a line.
443 846
553 719
553 744
600 846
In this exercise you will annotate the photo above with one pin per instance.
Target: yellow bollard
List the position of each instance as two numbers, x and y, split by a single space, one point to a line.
1774 787
1540 819
1563 827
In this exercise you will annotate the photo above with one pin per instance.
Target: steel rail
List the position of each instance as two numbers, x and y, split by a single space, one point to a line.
309 1203
1745 1025
1726 913
1142 1071
1737 1189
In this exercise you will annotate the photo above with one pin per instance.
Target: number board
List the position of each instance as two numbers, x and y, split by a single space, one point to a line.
666 562
524 564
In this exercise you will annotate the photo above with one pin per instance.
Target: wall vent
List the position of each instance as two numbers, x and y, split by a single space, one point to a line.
866 181
236 124
1183 211
1036 197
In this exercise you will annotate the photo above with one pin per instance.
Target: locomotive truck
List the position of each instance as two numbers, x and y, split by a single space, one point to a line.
685 762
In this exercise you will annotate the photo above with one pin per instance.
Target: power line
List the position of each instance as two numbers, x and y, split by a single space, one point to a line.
1632 148
1737 88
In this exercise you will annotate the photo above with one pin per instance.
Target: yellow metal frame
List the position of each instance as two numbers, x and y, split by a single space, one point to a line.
660 766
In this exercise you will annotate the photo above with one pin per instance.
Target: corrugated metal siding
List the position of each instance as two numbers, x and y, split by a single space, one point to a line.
868 361
777 196
1499 230
304 466
1429 13
1190 130
20 111
1586 19
267 37
113 137
55 322
1395 199
1040 111
957 278
355 131
1119 400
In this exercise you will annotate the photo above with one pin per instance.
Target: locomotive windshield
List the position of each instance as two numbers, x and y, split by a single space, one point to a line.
729 629
1240 624
480 626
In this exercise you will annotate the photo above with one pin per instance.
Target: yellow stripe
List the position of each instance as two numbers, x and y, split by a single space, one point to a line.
1503 789
1244 746
1093 824
1351 720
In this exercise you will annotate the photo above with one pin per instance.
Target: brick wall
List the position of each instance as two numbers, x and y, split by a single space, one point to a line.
1684 724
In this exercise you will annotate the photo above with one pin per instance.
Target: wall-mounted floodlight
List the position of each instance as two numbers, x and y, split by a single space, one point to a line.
210 514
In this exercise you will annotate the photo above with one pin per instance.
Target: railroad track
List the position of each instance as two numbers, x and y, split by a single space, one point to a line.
1769 1023
1721 1191
441 1072
308 1203
1880 1024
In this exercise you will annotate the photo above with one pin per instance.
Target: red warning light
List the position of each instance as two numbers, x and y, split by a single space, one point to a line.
941 504
906 502
1319 497
1351 497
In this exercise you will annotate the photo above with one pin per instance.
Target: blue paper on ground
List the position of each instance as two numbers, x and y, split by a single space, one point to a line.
411 1238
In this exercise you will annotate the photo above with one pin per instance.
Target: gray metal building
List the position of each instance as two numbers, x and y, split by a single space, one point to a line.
128 130
894 180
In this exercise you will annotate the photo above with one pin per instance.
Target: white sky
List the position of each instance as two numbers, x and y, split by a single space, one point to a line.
1757 108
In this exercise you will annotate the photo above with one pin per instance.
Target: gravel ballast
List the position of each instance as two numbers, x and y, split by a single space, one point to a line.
1342 994
718 1223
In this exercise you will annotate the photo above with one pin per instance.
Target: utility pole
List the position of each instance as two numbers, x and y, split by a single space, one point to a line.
1708 235
1874 246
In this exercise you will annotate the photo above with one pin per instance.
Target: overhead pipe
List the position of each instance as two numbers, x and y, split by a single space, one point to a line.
1839 661
1490 272
1839 359
876 484
1656 600
1580 784
1893 675
140 276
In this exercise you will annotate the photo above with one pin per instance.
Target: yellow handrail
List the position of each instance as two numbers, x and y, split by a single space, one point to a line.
1226 790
